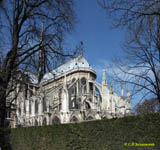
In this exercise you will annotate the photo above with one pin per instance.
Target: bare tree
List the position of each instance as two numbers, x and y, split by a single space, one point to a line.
22 37
126 13
148 106
139 66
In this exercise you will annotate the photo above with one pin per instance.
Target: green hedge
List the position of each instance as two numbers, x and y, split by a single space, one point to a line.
94 135
5 139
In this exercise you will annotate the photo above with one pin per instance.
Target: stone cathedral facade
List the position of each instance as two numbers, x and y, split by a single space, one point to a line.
68 94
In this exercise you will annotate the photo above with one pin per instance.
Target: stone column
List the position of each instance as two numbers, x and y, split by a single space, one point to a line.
28 92
65 97
105 96
27 108
65 103
77 88
17 88
33 107
94 92
40 107
47 104
17 110
34 90
87 86
112 105
48 119
22 108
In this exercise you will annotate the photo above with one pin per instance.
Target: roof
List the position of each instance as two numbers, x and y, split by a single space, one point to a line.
77 63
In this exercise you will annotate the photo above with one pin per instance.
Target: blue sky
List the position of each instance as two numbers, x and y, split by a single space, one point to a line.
101 42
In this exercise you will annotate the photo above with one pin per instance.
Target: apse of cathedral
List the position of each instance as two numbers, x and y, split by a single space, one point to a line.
68 94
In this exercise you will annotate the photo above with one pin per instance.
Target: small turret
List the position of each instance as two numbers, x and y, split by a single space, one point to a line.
104 92
128 104
111 88
128 94
122 91
104 80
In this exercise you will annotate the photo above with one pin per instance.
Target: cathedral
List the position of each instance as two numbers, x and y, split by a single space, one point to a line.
68 94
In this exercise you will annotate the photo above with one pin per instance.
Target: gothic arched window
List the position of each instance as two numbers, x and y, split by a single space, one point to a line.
73 90
30 123
91 88
44 104
36 122
83 85
44 122
74 104
56 120
87 105
89 118
26 91
73 80
24 106
74 119
19 111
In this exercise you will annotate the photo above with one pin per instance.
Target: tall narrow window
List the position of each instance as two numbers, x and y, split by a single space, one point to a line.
19 110
24 107
91 88
74 104
36 106
60 98
73 80
26 91
73 90
44 105
44 122
31 91
83 85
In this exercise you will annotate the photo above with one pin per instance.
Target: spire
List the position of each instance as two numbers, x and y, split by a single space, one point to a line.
128 93
104 81
122 90
42 32
42 57
111 87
